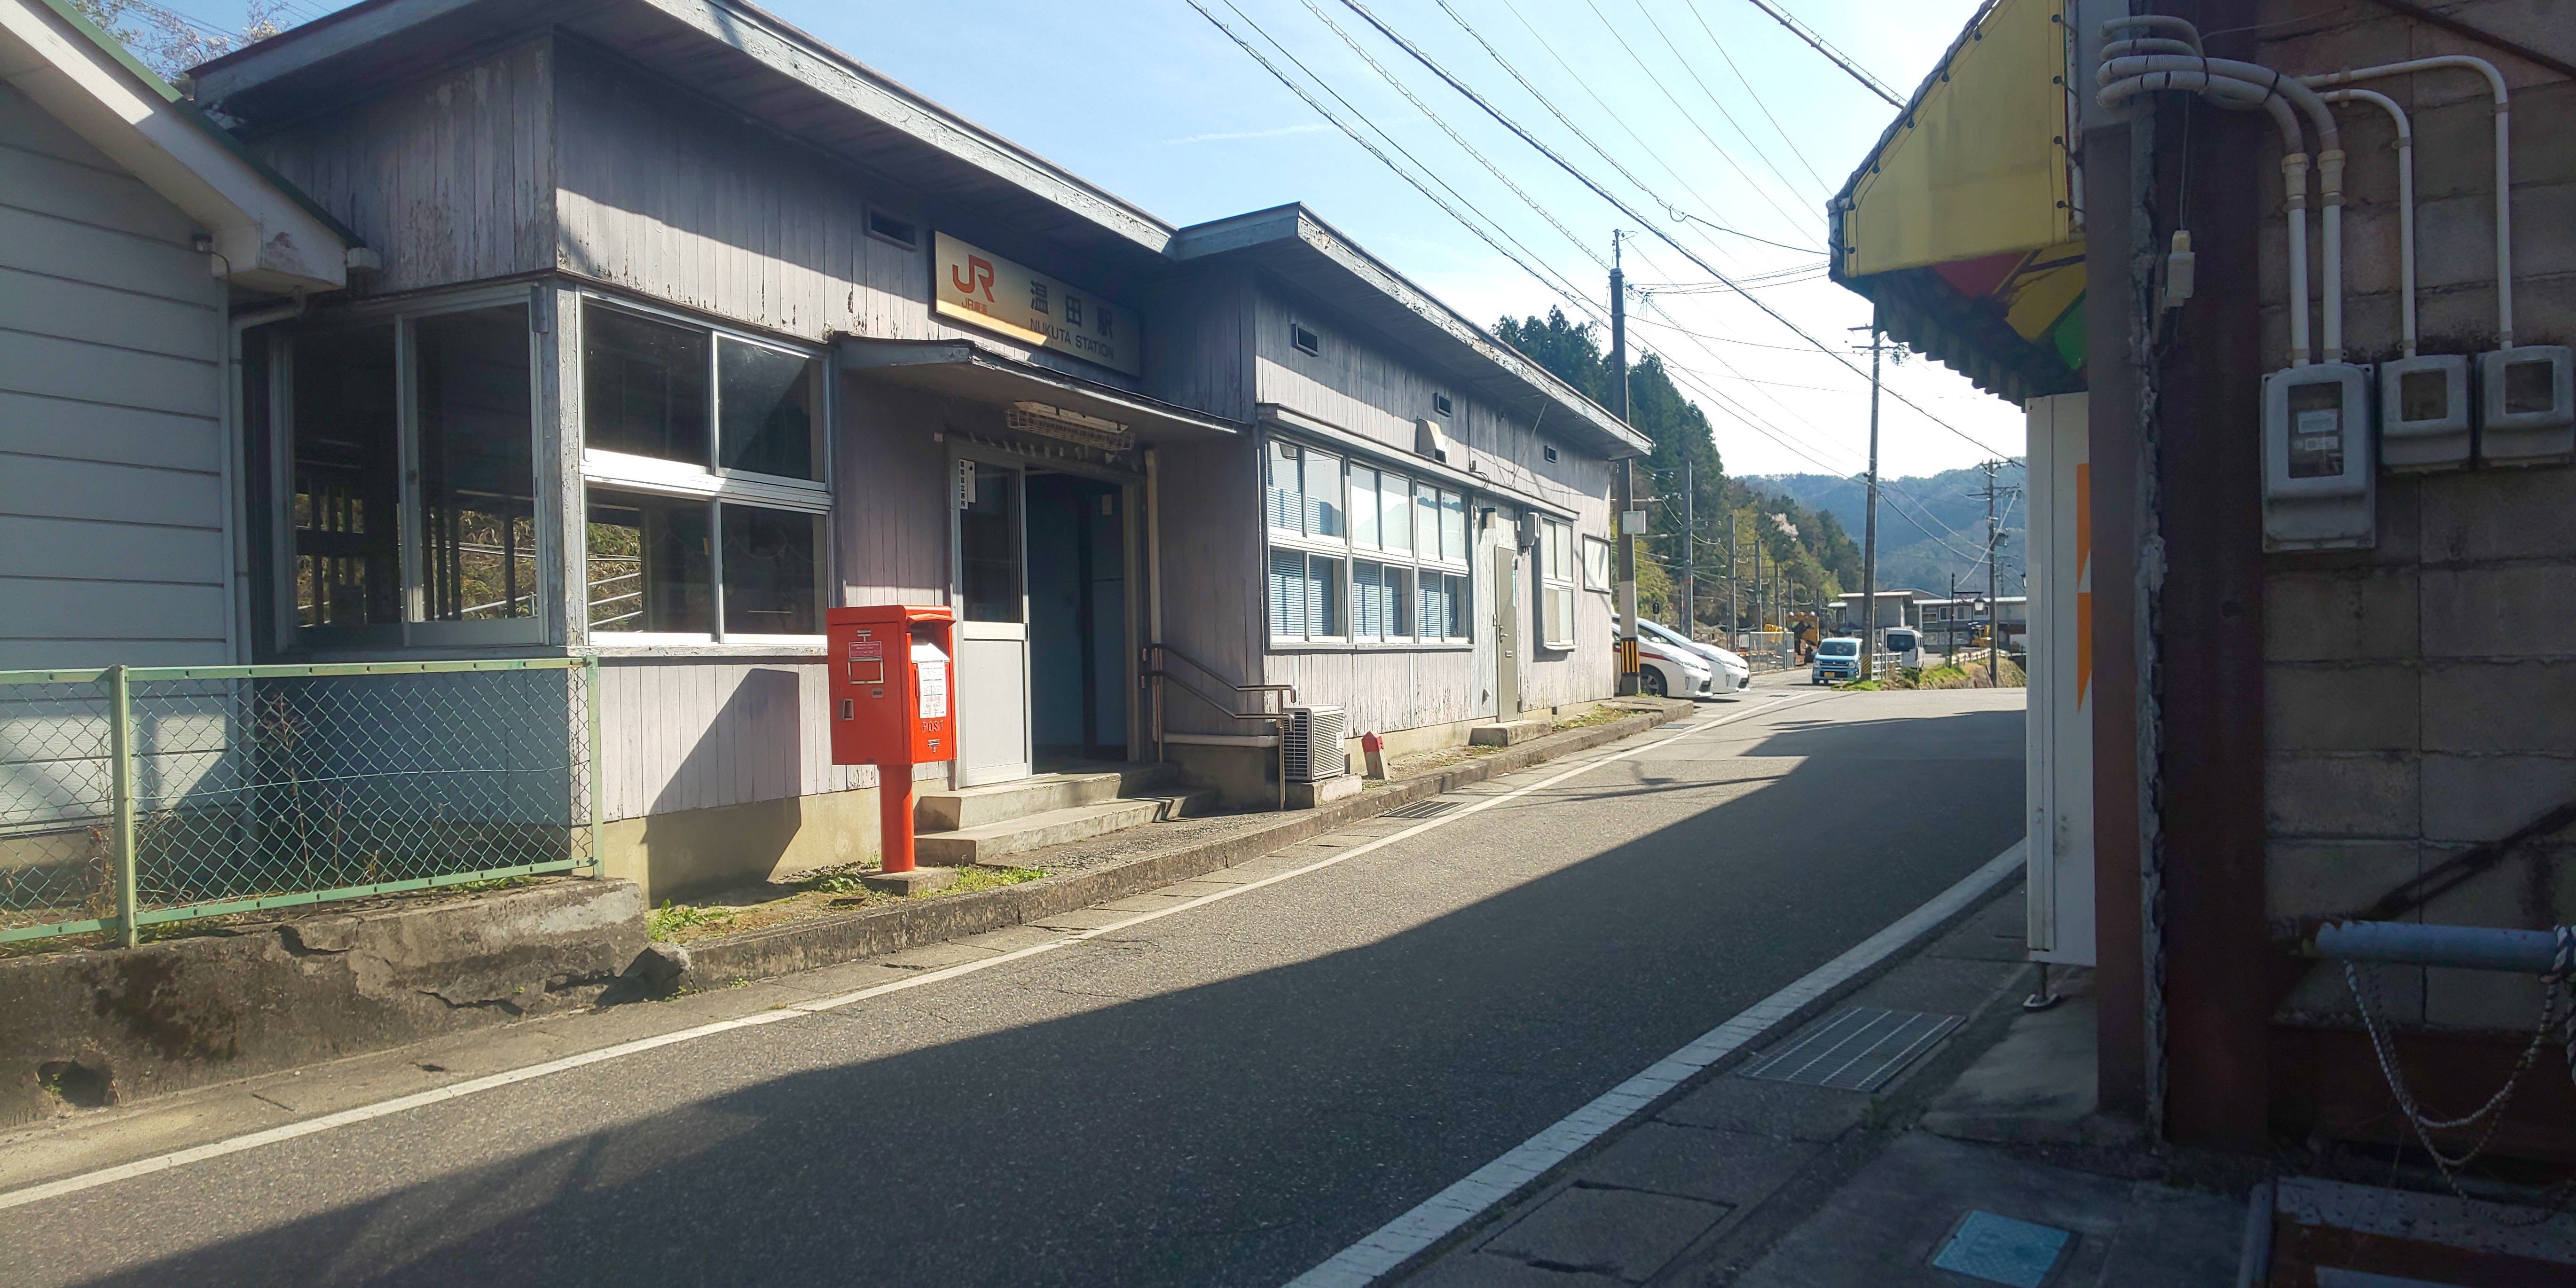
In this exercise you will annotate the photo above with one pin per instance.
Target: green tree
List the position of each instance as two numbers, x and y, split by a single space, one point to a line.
1812 546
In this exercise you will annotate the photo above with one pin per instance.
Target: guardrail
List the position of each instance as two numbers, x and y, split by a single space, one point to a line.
136 796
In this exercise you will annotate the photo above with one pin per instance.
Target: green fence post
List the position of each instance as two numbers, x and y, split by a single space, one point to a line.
120 794
590 777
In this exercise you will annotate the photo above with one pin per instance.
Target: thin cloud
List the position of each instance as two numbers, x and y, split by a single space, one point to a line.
1309 127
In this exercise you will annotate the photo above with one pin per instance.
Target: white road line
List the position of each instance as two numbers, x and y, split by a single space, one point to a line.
1434 1218
457 1091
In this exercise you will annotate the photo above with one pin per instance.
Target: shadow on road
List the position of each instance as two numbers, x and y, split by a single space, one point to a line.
1235 1131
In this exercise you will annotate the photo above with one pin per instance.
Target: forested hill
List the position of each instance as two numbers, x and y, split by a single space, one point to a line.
1815 554
1928 527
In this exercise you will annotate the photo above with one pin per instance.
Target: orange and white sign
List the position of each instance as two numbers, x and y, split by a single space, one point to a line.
981 288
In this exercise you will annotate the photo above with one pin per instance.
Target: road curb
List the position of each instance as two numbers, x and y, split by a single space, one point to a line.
807 945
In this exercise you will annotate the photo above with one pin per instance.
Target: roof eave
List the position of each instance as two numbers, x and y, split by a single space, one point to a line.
1294 230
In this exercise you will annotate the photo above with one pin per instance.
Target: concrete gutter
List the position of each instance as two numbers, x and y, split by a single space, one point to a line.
873 932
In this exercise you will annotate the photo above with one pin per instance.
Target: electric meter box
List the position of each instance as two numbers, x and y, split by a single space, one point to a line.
2424 413
891 684
2319 488
2527 411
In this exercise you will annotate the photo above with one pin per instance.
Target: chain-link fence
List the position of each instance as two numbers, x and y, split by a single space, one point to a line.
136 795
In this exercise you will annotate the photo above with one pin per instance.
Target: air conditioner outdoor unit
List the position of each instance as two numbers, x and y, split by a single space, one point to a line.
1314 748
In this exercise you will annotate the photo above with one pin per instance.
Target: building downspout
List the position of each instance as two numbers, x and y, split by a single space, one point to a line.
1154 587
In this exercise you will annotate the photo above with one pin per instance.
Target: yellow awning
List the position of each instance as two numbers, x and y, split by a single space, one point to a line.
1977 165
1962 224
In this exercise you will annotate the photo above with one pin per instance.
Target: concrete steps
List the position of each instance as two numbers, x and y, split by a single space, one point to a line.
991 844
970 807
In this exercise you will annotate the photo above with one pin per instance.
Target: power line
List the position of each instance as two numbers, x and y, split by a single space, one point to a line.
1684 113
1454 137
1786 183
1836 56
1624 208
1579 301
1756 96
1588 141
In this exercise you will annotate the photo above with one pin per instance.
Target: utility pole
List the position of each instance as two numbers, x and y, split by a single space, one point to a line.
1734 604
1869 526
1950 628
1994 588
1690 553
1628 674
1761 591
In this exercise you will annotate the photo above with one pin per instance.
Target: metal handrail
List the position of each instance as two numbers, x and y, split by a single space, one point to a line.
1155 676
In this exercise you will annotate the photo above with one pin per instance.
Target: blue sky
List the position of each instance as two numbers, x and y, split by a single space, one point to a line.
1708 104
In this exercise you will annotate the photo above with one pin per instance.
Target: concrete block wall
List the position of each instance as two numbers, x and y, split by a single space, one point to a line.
2418 697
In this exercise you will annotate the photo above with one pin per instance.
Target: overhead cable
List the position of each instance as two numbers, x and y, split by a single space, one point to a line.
1649 225
1836 56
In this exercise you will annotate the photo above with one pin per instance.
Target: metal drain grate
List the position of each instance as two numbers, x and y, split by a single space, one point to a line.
1424 809
2001 1250
1857 1050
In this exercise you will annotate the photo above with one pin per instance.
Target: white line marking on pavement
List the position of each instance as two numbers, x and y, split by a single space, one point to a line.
1434 1218
457 1091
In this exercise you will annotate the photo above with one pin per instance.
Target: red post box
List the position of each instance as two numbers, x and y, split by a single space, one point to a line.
893 703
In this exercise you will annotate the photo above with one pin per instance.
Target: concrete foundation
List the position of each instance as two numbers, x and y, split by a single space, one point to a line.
82 1029
687 853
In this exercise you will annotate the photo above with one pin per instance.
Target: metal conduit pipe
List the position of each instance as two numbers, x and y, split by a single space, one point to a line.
2503 160
2329 165
2405 200
2406 943
2236 94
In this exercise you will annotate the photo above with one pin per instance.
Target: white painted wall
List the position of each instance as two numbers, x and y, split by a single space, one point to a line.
111 484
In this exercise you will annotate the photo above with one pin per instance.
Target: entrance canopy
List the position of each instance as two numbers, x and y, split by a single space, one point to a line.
1963 225
971 370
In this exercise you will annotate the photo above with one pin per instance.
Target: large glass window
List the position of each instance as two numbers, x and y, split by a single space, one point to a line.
1556 583
412 502
347 479
644 386
705 458
477 467
652 567
768 398
1347 547
773 583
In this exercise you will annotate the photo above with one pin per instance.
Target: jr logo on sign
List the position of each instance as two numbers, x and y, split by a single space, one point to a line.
975 277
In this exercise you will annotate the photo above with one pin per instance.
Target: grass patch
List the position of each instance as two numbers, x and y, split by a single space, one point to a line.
671 920
1969 676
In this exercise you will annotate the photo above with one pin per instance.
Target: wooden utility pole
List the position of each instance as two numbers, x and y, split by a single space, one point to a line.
1869 527
1628 672
1689 624
1734 604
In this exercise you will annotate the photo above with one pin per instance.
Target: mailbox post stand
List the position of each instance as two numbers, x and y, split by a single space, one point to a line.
891 696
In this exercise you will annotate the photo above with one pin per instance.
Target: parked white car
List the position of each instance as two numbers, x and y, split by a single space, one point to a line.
1670 672
1729 672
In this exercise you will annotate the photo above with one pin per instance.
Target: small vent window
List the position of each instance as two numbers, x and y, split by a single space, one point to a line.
1549 451
1305 340
1440 403
887 228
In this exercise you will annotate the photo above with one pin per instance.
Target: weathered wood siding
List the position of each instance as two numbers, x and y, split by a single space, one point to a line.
450 178
1198 342
697 733
1358 384
890 496
111 452
678 199
1211 528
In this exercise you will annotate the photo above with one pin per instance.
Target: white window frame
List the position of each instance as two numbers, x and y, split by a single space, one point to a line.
1424 501
710 483
1556 583
411 629
1596 564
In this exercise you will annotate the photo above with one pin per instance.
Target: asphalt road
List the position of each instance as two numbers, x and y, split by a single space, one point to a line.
1227 1095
